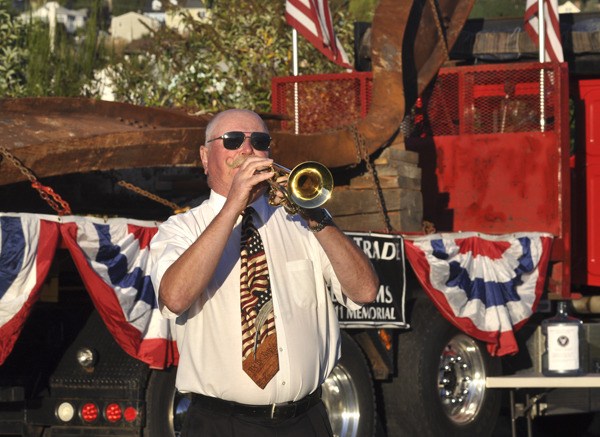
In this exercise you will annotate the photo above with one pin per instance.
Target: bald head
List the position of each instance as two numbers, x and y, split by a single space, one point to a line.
226 116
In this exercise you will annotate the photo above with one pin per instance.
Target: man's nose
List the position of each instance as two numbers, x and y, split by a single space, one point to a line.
247 146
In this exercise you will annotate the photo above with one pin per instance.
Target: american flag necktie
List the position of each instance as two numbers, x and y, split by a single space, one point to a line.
259 340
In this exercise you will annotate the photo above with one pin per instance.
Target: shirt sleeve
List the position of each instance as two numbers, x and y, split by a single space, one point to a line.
170 242
333 282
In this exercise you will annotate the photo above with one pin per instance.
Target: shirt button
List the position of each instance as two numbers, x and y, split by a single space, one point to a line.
280 349
283 383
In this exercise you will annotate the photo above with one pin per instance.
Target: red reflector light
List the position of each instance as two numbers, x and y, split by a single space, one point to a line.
113 412
130 414
89 412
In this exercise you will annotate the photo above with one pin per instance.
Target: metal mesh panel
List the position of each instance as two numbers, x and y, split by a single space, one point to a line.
324 102
486 100
481 99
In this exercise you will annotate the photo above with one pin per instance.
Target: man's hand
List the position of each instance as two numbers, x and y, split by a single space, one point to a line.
248 182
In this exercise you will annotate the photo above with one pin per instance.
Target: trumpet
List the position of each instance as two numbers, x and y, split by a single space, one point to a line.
309 185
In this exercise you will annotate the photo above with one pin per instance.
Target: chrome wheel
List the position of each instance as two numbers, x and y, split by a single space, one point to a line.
341 400
461 379
181 403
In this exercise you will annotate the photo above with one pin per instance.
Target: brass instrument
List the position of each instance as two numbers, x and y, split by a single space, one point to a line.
309 185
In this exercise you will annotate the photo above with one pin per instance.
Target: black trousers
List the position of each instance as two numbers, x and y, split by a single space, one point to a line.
201 422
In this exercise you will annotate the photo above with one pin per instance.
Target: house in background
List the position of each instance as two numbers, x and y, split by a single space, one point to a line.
196 9
154 9
568 7
54 13
131 26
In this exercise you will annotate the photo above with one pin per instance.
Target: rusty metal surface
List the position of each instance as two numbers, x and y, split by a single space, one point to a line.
54 136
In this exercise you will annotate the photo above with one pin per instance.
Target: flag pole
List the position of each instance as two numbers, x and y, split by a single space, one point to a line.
542 58
295 72
541 31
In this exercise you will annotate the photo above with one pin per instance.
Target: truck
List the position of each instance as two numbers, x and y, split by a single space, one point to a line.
428 145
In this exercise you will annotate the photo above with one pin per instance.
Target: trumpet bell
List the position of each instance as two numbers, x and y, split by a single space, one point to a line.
310 184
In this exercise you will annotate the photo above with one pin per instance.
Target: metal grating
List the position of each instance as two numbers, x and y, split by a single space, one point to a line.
324 102
487 99
483 99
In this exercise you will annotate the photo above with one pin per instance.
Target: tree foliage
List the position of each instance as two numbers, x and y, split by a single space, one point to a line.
496 9
13 52
35 62
227 61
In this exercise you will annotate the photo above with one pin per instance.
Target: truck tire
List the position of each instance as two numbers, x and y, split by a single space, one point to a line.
348 393
165 406
440 386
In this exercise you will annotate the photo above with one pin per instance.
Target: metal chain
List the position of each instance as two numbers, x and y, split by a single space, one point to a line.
438 26
46 193
363 155
174 207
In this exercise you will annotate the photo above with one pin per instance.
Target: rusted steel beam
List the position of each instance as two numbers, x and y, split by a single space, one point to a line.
54 136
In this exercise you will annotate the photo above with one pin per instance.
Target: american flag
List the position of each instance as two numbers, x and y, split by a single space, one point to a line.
112 257
552 40
312 19
487 286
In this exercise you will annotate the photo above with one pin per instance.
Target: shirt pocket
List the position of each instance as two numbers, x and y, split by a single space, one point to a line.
301 281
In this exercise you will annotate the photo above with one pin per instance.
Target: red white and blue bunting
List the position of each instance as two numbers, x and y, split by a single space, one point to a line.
486 285
112 257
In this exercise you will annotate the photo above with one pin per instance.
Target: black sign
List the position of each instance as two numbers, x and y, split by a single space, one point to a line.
387 255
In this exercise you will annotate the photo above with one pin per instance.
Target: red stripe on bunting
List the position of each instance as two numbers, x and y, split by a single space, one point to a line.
142 234
491 249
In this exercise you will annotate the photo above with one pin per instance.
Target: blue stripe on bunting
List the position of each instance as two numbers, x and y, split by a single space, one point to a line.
439 250
110 255
488 292
12 251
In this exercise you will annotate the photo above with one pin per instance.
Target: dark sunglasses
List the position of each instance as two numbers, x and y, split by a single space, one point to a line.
233 140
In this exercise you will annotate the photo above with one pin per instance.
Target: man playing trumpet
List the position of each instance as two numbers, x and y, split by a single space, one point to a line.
247 284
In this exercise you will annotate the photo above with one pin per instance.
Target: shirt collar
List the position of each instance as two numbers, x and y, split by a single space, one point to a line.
260 205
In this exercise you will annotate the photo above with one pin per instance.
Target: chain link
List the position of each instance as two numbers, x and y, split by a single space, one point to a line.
174 207
46 193
363 155
17 163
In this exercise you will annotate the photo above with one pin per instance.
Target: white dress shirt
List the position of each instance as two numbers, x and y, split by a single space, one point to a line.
208 334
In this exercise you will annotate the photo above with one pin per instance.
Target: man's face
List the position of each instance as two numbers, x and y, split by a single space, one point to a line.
218 162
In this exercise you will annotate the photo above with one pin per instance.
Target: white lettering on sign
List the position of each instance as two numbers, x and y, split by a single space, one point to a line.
372 313
384 295
386 250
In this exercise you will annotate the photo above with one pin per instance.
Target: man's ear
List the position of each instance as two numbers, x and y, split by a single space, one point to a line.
204 158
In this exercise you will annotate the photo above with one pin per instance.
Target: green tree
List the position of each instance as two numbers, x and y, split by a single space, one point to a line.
498 9
33 65
227 62
13 52
362 10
